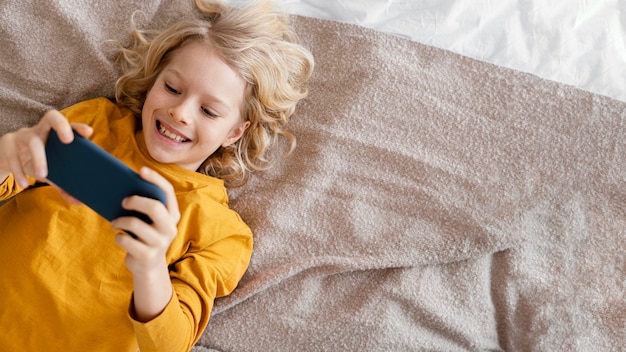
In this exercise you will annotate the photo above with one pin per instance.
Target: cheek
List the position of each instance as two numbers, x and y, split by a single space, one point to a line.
151 97
207 135
212 137
149 104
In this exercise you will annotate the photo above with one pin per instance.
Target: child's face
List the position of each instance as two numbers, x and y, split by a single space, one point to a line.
193 108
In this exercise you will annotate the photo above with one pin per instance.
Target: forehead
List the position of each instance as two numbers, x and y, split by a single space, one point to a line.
199 65
199 53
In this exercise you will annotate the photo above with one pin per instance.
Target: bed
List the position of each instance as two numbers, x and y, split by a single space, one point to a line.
459 182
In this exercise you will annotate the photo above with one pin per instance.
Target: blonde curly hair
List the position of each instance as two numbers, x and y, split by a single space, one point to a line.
257 43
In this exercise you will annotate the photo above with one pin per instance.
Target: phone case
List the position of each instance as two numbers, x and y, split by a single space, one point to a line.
95 177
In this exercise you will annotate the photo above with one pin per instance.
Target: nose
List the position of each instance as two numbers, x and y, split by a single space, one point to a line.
181 112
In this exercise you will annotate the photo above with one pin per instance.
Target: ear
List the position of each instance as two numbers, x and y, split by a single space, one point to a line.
236 133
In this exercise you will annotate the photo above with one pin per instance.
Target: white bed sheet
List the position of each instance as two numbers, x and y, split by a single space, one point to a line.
577 42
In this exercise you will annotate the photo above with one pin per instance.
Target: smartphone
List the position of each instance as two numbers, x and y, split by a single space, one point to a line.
95 177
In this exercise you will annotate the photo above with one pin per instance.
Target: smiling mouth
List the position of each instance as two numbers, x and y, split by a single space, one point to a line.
170 134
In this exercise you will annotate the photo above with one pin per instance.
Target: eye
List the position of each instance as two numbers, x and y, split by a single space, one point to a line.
208 112
171 89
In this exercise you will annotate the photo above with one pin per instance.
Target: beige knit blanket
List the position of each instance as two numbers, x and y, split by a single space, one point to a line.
434 202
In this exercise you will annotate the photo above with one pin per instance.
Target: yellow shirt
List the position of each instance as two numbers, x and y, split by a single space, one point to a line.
63 282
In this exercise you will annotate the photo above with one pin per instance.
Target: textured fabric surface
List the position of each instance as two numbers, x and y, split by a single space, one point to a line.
573 42
434 202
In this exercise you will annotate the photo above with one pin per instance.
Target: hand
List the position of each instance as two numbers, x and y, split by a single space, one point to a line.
22 152
146 253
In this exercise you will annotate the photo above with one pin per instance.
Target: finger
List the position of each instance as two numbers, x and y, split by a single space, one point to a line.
18 172
11 156
139 256
163 226
68 198
152 208
129 244
144 233
38 160
53 119
82 129
170 196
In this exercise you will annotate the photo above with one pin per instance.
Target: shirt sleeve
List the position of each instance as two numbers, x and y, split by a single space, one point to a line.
9 187
198 278
157 334
89 111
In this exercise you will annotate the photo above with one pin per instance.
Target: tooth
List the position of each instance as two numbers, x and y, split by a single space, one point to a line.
170 135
